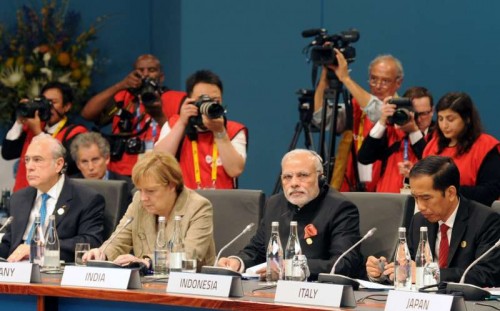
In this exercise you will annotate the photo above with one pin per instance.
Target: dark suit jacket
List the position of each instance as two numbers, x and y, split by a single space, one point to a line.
476 229
336 220
81 222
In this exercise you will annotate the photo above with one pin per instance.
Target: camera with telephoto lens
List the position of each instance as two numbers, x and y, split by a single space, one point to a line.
209 107
40 104
322 47
403 108
148 91
134 145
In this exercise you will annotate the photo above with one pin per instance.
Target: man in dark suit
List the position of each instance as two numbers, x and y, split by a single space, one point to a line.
327 223
459 230
78 209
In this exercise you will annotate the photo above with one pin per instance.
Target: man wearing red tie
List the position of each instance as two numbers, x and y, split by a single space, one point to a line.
460 230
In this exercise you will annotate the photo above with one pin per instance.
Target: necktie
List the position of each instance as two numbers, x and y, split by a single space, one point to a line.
43 213
444 246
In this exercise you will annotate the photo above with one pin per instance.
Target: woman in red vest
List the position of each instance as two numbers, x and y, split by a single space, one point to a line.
459 135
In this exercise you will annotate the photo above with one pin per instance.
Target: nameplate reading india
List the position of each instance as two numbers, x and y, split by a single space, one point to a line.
413 301
115 278
19 272
315 294
204 284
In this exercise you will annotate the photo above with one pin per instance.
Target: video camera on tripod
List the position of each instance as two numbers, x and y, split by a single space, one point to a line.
321 49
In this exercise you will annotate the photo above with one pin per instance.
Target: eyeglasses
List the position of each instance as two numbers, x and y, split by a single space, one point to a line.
301 176
423 113
384 82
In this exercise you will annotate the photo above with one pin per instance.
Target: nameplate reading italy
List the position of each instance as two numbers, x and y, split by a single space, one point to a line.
204 284
19 272
115 278
413 301
315 294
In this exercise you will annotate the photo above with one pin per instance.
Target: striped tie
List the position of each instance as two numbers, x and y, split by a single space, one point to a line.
43 213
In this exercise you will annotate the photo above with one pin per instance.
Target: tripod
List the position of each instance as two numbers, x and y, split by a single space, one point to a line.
306 109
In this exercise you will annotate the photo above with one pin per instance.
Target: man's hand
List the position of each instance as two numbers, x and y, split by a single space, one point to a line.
22 252
410 126
132 80
341 70
93 254
230 263
187 111
378 267
386 110
405 167
213 125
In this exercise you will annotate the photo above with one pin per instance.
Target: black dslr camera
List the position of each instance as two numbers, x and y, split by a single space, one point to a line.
148 91
403 108
27 110
209 107
321 48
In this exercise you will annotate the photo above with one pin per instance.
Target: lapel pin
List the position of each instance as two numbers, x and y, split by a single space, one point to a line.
463 244
60 211
309 241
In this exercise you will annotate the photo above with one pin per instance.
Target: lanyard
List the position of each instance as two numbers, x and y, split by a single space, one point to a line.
196 162
405 150
60 126
360 131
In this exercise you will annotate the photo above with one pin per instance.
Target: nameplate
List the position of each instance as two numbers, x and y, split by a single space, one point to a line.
19 272
115 278
204 284
414 301
315 294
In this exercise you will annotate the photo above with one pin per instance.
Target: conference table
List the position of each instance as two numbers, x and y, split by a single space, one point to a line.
51 296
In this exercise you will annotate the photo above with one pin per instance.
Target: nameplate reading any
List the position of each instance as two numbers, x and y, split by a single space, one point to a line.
114 278
204 284
413 301
315 294
19 272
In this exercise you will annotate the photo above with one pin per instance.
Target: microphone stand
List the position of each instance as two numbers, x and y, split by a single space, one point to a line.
469 291
342 279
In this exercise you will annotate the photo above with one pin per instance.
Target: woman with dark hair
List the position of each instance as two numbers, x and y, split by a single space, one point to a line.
459 135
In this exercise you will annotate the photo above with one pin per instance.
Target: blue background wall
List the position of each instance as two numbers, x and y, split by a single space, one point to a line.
255 46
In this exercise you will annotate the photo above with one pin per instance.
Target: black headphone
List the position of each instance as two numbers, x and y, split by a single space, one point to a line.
321 177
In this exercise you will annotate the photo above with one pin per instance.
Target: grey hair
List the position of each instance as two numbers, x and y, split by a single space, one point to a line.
318 161
87 140
387 57
56 147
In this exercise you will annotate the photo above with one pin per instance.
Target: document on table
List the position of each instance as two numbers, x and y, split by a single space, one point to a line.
373 285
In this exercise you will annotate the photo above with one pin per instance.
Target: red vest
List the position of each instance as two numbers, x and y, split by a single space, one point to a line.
350 178
469 163
21 181
171 102
391 180
205 148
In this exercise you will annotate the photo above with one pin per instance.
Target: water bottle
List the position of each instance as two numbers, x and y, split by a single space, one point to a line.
274 258
37 243
52 255
292 249
402 263
177 252
161 249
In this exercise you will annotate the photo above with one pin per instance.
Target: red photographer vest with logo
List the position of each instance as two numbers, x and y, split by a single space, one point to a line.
205 150
171 102
469 163
21 181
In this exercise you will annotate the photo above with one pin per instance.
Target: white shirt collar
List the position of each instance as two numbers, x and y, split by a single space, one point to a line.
451 220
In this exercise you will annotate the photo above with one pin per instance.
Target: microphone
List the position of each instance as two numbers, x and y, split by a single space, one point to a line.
222 270
129 220
342 279
313 32
7 222
469 291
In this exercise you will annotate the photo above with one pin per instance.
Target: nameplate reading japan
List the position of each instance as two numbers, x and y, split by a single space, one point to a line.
315 294
413 301
19 272
115 278
204 284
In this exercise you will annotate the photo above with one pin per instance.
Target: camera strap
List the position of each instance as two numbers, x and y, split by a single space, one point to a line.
196 163
59 127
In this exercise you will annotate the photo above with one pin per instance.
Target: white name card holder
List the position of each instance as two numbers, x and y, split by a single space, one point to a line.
115 278
315 294
408 300
19 272
204 284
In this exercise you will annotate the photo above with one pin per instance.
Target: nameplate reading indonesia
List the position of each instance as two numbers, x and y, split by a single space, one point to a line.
204 284
412 301
115 278
315 294
19 272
